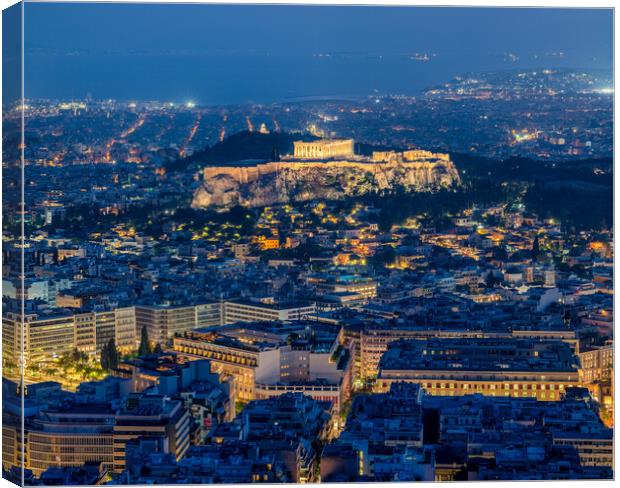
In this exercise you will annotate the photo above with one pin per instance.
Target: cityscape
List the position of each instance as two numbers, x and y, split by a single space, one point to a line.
401 283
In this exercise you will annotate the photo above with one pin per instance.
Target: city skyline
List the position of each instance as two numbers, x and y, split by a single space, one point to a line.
301 244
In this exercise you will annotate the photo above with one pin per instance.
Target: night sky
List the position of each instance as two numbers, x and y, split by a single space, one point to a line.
216 54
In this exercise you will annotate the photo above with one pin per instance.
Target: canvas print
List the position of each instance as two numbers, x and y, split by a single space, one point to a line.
306 244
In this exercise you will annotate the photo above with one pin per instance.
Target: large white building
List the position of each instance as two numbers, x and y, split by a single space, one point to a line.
46 336
247 311
50 334
271 360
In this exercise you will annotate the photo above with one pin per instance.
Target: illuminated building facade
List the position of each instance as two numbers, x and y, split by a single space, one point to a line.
246 311
163 322
454 367
43 337
151 416
596 364
70 437
324 149
373 342
363 286
266 364
49 336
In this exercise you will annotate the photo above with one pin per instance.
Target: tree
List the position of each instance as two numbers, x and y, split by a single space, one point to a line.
499 253
105 358
535 249
109 356
145 346
75 355
382 257
490 280
113 355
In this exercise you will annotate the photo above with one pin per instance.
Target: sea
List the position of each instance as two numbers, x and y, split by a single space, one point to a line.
261 78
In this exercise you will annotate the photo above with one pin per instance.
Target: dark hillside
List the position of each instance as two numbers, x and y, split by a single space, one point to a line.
241 146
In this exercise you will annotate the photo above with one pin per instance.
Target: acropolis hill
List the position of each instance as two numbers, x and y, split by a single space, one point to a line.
324 169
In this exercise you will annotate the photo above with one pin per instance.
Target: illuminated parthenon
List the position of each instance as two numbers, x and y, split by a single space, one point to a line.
324 149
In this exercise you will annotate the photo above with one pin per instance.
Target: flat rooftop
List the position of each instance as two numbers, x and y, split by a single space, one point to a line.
479 355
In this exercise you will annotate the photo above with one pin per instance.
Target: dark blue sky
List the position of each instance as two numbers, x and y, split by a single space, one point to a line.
231 54
11 53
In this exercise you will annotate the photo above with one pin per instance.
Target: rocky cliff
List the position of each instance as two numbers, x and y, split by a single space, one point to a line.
262 184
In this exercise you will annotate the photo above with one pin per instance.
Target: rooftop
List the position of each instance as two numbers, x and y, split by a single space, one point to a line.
479 355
